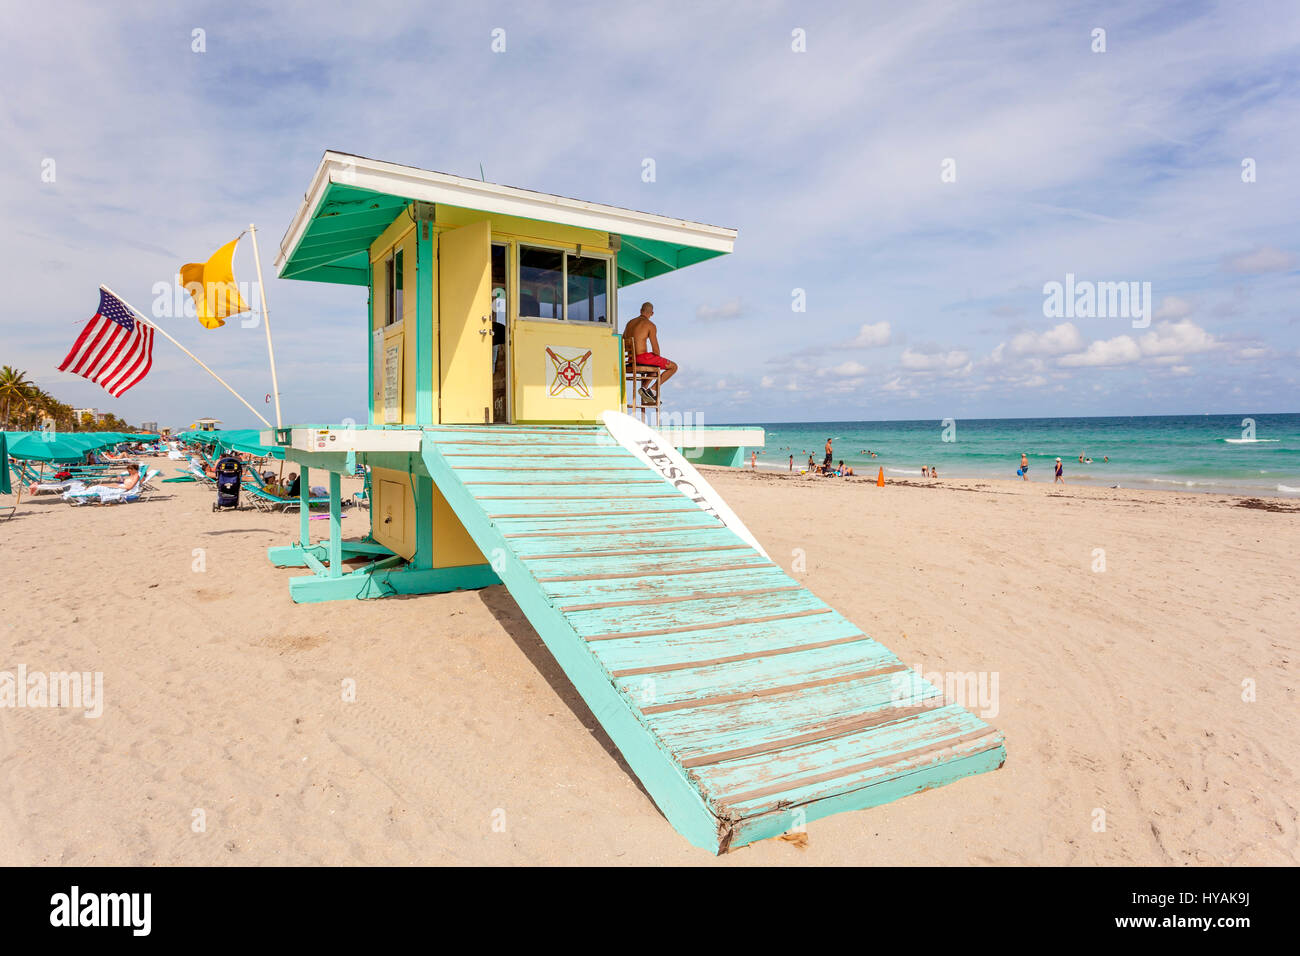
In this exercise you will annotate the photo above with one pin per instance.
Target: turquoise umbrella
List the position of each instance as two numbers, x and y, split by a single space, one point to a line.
5 487
57 446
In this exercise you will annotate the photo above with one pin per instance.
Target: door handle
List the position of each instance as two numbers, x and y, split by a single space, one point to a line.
484 331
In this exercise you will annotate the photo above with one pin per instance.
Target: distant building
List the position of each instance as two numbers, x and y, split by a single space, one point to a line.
151 427
80 412
207 424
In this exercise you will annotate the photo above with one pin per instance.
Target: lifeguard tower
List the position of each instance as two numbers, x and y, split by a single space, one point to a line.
744 704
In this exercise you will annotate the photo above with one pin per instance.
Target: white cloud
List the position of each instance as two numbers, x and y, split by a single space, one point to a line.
849 369
1177 338
1166 344
1056 341
934 361
871 336
1260 259
1121 350
1252 352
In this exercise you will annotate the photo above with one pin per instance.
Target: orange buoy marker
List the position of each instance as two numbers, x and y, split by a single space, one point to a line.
880 479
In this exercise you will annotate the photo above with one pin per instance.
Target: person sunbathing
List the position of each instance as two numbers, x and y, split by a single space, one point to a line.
108 489
128 482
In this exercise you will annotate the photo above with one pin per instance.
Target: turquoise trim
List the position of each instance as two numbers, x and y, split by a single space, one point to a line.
382 582
304 507
294 555
424 544
731 457
425 266
622 374
335 247
336 525
941 773
370 342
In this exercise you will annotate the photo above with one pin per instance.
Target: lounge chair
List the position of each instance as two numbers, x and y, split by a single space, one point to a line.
362 498
266 501
197 473
52 487
104 494
34 481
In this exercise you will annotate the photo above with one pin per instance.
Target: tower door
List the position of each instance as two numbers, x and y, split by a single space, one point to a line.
465 324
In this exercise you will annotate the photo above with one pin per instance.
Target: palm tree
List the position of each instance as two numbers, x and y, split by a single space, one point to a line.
61 412
13 385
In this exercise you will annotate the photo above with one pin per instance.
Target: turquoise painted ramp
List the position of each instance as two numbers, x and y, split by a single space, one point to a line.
744 704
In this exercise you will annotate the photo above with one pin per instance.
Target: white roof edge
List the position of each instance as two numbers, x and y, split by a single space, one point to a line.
427 186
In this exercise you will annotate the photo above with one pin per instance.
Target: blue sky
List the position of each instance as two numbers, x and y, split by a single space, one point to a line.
924 297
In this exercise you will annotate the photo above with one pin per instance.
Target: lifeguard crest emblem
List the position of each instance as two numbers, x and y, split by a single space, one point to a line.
568 372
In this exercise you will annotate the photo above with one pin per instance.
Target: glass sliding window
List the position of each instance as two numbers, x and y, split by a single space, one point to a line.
588 288
395 288
541 283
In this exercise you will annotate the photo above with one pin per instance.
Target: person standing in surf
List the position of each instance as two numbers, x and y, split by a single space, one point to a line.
1060 473
827 463
1024 466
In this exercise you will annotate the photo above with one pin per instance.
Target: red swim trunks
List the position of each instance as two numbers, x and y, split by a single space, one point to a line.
649 358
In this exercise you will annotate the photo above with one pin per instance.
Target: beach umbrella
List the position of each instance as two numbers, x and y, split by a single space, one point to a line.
5 487
56 446
246 440
249 441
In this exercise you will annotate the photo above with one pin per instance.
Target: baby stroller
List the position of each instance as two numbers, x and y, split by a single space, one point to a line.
229 469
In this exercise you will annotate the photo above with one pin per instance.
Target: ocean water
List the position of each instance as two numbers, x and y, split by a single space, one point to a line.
1209 453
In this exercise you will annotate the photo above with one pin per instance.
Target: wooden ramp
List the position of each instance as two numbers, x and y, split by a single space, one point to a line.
744 704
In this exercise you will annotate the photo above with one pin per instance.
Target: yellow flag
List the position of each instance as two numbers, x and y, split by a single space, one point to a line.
212 284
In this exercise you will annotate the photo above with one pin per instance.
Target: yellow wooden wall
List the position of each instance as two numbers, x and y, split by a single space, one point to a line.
532 401
392 510
529 339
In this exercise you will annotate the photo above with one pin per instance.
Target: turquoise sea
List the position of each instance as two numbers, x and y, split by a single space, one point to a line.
1241 454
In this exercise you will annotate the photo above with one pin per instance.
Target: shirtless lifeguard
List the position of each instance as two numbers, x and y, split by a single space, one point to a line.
641 340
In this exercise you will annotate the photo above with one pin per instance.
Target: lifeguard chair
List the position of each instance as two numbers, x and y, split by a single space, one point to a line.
635 377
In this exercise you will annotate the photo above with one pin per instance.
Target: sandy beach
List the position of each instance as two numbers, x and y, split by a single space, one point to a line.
1120 691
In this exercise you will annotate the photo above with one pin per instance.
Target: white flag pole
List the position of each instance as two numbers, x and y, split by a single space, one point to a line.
266 320
154 325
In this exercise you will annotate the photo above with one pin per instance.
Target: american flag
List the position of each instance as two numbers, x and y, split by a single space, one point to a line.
114 350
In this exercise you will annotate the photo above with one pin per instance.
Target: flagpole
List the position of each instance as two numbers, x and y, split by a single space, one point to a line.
153 325
266 320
